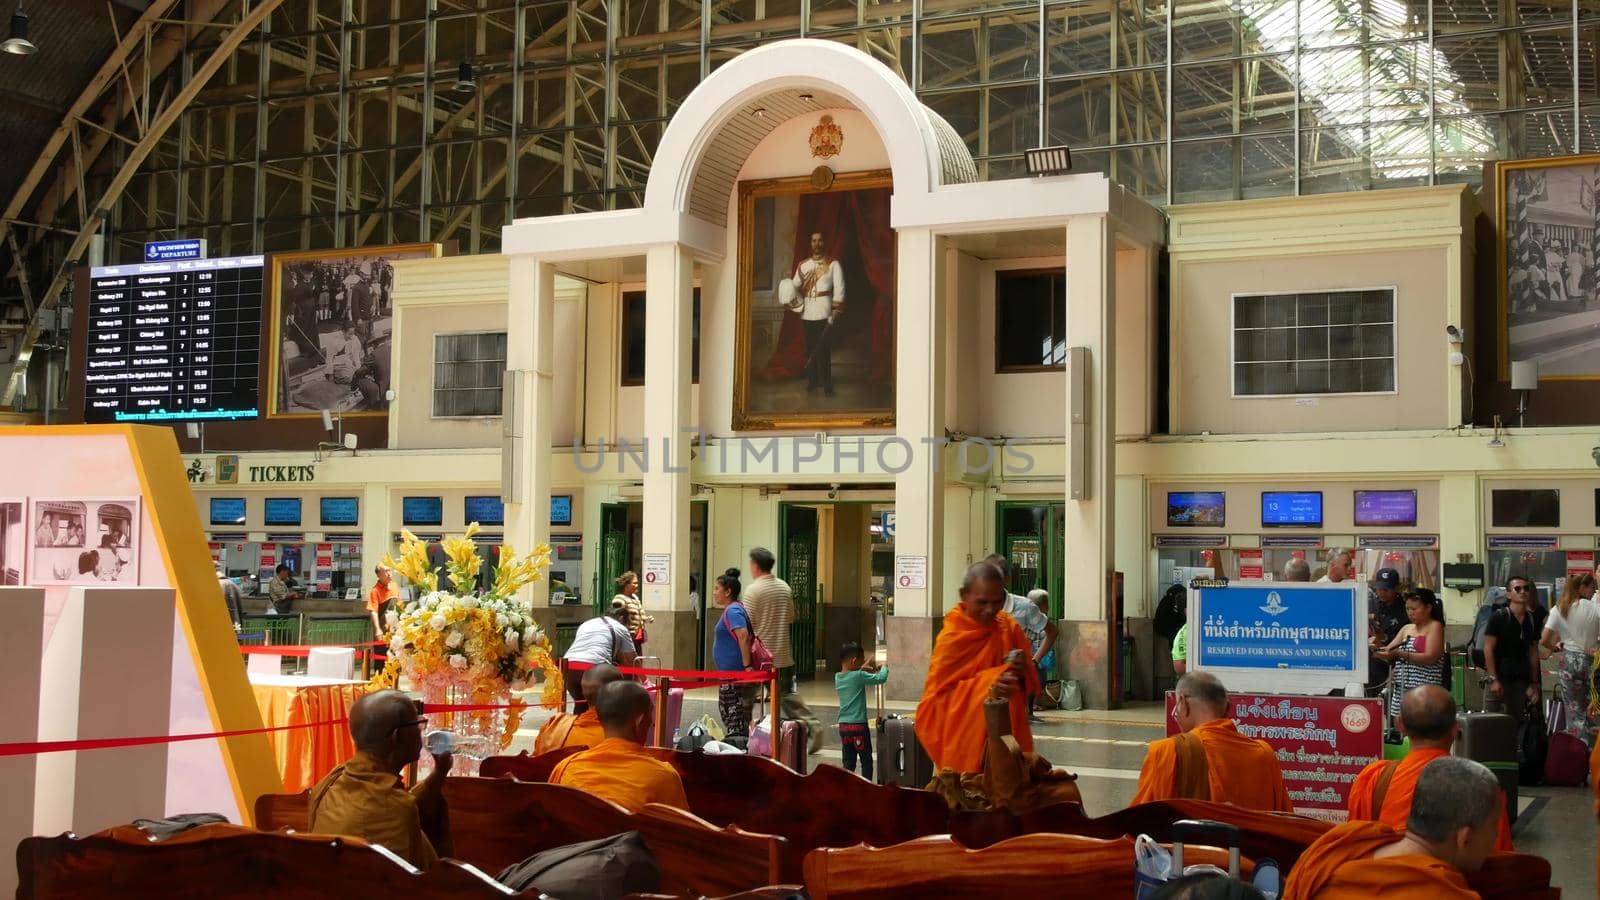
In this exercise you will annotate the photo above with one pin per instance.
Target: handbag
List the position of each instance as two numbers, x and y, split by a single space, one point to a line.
760 656
604 869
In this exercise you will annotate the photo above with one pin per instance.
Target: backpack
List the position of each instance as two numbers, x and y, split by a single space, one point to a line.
593 870
1533 745
1480 627
1171 612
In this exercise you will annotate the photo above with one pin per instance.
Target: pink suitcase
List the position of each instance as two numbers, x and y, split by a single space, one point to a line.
674 714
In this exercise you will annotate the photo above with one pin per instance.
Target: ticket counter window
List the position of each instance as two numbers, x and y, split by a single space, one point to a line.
1547 569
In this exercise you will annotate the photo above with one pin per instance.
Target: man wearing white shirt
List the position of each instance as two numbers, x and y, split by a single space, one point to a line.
819 298
1339 563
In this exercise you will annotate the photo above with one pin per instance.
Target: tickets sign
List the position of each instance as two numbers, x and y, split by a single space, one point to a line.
1322 743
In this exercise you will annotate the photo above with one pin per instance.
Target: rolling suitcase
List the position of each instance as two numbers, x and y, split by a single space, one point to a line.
901 759
793 740
1492 739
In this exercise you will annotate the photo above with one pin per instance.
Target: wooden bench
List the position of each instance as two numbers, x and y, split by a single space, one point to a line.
222 862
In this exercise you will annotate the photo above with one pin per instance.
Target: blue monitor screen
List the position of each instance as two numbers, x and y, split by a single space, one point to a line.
1196 509
560 509
341 510
485 511
1291 509
282 511
227 510
422 510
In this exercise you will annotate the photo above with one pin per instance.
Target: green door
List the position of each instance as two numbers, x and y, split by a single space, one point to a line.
613 553
798 566
1032 537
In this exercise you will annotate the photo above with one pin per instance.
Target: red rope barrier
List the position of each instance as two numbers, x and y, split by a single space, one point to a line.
301 649
707 676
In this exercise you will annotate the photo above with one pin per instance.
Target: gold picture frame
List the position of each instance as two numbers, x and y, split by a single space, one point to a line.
826 412
282 320
1542 228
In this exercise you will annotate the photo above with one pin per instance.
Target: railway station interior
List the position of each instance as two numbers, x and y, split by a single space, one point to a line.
334 330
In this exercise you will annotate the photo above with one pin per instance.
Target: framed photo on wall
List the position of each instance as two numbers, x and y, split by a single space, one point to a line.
1547 217
816 304
332 317
84 541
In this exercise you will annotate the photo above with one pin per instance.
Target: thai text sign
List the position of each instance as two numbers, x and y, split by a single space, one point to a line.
1322 744
1279 636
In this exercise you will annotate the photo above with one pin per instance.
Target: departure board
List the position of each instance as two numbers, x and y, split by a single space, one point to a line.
174 341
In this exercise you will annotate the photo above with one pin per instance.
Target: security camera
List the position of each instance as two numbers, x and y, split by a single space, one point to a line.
1596 454
833 489
327 421
1455 334
389 395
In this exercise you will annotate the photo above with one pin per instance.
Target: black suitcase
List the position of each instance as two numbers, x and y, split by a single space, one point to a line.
901 759
1493 739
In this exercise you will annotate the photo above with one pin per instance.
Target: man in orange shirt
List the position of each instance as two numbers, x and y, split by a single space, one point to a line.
382 594
1210 759
1384 789
1450 830
618 768
981 653
583 729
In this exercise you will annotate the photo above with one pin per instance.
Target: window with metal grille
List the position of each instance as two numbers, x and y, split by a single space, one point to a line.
1030 329
633 338
1319 342
468 371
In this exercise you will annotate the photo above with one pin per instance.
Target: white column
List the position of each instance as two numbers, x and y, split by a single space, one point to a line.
21 649
919 495
1090 539
530 405
669 298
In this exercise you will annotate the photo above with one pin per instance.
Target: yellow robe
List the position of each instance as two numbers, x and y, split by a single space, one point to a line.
1339 866
361 799
1402 786
584 731
623 772
1240 770
967 659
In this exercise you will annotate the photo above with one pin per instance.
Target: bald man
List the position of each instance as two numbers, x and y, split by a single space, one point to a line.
582 729
1384 790
365 798
619 768
1450 831
1210 759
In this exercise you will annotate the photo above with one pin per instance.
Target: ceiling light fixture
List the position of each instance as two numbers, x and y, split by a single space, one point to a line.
465 83
17 42
759 112
807 96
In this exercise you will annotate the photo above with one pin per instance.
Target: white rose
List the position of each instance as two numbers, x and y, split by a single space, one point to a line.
458 662
437 623
454 640
512 643
530 634
391 618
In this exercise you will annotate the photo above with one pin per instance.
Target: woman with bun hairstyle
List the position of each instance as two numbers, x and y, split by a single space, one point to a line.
730 652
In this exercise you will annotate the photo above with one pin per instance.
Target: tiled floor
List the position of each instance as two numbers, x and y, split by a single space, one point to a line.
1106 750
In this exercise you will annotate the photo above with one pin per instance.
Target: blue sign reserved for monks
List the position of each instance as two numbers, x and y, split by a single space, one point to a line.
1280 631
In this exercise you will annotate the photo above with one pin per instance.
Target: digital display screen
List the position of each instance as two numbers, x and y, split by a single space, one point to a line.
485 511
174 341
281 511
1380 508
340 510
1538 508
1196 509
560 509
422 510
227 510
1291 509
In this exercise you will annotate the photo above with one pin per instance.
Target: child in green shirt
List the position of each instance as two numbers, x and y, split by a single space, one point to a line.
851 682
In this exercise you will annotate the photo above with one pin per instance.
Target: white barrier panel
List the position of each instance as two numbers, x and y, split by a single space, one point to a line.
21 647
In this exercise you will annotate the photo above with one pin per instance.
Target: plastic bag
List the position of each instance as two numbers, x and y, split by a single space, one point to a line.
1071 695
760 743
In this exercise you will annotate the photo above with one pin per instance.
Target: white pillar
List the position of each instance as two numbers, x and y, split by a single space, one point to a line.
669 299
21 652
530 405
1090 539
919 495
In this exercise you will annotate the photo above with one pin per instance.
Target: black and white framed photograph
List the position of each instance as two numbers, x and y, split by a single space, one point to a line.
1548 215
13 540
333 327
83 541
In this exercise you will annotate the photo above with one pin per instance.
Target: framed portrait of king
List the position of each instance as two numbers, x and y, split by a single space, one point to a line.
816 304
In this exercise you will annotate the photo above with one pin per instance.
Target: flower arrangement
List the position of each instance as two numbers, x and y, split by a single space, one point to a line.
466 648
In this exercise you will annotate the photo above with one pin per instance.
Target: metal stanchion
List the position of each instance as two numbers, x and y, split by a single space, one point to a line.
777 715
663 694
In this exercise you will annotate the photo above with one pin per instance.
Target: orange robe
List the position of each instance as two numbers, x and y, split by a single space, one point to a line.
584 731
624 773
967 659
1339 866
1240 770
1397 801
362 799
1594 779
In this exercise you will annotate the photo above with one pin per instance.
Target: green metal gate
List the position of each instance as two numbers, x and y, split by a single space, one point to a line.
613 554
1032 536
798 566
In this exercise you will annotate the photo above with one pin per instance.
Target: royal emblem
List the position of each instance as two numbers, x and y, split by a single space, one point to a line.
1274 605
827 139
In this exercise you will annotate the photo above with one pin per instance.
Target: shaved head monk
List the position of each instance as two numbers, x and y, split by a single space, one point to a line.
1210 759
582 729
618 768
364 798
1384 789
981 654
1451 830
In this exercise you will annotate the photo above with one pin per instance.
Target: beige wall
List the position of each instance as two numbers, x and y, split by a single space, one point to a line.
415 425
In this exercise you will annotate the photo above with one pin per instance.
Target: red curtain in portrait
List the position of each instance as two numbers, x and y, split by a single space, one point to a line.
855 231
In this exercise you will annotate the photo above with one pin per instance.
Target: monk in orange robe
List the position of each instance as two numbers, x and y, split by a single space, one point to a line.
981 653
619 768
1594 779
1210 759
581 729
1428 718
1450 831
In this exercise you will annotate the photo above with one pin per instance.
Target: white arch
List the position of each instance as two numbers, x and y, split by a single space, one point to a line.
887 102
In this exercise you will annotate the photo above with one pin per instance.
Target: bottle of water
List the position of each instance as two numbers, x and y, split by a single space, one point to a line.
1267 878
